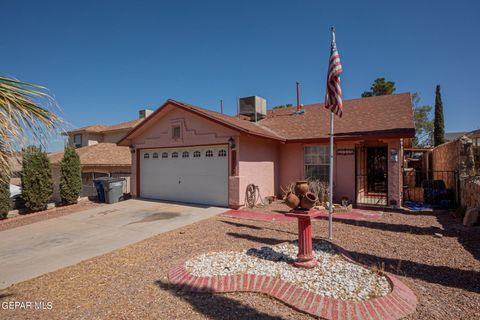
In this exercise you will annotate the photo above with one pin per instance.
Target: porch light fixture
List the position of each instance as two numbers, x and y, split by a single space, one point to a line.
132 148
231 143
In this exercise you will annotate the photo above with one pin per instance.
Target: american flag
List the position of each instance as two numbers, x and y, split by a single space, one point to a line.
333 97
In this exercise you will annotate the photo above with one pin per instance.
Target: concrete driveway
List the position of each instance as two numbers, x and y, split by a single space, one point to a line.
38 248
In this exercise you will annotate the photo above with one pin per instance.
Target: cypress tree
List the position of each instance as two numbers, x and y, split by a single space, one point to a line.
438 124
37 184
5 204
70 176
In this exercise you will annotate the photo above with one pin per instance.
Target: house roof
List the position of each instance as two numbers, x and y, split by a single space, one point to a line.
389 115
99 128
233 122
101 154
381 115
450 136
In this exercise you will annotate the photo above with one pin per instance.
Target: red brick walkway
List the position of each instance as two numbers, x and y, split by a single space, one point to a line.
400 302
355 214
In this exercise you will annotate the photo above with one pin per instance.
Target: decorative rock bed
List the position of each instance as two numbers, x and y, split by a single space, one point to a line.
337 286
334 276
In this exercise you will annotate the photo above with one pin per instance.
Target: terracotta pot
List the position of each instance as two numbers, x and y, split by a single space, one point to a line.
301 188
292 200
308 201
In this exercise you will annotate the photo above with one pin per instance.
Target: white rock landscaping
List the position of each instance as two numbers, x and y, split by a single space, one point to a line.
334 277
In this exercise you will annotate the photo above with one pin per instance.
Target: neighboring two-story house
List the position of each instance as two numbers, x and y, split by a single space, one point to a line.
99 154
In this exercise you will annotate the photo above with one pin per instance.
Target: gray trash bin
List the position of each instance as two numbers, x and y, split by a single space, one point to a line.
113 188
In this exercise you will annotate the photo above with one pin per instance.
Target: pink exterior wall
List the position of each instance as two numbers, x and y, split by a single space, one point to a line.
395 177
292 169
344 173
258 164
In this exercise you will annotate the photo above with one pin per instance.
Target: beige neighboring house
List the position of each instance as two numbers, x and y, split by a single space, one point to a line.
99 154
15 162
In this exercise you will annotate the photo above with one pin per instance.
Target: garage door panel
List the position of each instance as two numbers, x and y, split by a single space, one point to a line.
194 179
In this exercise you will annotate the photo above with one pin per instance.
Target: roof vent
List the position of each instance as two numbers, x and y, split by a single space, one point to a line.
142 114
253 107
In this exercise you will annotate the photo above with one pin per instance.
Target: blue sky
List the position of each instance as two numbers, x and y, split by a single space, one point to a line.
105 60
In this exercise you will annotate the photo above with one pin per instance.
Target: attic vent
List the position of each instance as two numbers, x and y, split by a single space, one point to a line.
176 132
253 107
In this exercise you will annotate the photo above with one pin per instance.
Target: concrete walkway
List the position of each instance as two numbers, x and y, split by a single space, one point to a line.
35 249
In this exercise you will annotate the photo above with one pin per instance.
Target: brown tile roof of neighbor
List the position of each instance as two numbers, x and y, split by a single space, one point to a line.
98 128
124 125
101 154
389 115
381 115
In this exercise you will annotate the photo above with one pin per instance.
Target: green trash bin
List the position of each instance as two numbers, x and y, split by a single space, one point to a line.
113 188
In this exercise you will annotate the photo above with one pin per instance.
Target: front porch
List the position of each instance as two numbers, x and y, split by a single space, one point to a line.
371 174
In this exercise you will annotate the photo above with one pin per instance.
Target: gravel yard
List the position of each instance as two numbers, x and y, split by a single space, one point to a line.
131 283
334 276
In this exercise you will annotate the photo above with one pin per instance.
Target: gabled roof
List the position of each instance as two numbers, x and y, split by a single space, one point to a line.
382 116
232 122
101 154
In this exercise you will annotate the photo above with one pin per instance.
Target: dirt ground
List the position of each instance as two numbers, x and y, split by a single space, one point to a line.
132 283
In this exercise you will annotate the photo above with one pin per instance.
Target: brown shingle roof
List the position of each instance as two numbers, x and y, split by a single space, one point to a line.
381 115
101 154
387 115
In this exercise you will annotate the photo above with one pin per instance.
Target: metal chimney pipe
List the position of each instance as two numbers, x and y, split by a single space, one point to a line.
298 96
238 107
221 106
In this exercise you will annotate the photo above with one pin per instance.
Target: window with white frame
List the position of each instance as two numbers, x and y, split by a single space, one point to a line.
316 162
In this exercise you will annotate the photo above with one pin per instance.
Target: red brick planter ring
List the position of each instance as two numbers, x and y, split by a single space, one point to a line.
400 302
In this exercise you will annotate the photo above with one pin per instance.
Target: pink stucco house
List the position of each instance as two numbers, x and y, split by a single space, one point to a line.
185 153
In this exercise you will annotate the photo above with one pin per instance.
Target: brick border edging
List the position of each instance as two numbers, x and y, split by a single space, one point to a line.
398 303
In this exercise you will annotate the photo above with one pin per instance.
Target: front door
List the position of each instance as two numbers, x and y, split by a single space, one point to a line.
377 168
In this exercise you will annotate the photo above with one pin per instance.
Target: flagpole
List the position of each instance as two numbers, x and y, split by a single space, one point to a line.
333 102
330 180
330 185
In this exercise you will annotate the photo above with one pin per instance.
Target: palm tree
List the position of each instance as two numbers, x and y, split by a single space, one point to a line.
26 113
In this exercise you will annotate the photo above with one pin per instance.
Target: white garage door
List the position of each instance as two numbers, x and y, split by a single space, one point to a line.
196 175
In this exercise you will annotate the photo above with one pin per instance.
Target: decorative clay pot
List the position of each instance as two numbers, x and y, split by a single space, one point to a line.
301 188
292 200
308 201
